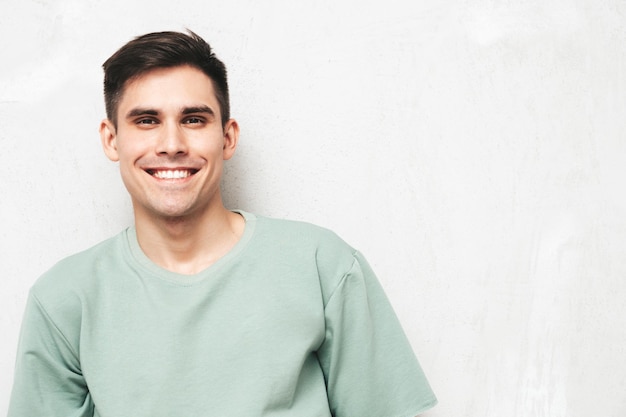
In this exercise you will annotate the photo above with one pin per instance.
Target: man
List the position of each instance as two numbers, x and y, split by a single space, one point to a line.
197 310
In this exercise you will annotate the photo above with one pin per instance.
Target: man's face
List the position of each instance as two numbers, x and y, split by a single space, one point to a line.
170 143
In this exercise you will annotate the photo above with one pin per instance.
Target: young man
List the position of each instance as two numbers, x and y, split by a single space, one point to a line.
197 310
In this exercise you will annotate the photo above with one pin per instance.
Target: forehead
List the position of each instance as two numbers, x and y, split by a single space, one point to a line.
165 88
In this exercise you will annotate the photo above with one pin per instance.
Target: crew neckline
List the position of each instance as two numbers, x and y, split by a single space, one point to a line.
140 258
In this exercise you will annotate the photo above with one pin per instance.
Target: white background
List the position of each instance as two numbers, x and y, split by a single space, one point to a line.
475 151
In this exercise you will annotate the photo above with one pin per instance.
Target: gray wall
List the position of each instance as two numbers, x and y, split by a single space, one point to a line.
474 151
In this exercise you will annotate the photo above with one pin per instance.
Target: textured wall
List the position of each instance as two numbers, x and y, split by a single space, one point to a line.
474 151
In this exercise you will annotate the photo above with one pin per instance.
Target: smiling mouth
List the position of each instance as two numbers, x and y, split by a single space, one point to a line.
171 174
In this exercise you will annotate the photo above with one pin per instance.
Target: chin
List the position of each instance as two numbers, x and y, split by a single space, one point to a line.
171 212
174 214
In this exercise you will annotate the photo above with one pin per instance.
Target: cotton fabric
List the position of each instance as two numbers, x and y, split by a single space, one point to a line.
291 322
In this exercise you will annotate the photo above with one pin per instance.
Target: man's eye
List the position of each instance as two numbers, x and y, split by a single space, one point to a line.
146 122
193 120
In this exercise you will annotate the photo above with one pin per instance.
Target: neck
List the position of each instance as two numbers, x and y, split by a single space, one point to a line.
188 245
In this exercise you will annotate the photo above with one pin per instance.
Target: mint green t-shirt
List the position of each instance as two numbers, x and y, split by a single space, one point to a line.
291 322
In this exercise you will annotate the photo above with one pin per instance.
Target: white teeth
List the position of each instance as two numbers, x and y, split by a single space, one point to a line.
169 174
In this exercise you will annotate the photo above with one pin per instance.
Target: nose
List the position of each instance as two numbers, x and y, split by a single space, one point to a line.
172 140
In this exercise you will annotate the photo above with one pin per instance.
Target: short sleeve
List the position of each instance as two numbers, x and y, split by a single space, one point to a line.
48 380
369 366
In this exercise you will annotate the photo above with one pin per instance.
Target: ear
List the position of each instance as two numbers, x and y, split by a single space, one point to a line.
108 136
231 137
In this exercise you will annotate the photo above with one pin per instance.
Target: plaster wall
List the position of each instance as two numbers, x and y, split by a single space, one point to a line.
475 152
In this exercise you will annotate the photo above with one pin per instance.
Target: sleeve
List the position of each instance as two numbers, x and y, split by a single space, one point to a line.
48 380
368 363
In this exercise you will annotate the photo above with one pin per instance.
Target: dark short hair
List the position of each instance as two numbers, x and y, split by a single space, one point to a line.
162 50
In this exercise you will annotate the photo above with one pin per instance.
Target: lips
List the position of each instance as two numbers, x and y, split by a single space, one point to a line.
171 174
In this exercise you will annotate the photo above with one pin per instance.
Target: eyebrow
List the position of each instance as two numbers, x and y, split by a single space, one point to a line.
198 109
140 111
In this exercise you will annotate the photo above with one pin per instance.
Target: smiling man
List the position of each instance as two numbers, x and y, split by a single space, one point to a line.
197 310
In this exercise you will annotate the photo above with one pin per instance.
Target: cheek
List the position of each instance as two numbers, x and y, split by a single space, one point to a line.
212 149
128 177
129 152
127 163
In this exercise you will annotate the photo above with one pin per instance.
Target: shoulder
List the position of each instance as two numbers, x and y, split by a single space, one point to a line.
75 274
61 294
304 236
307 243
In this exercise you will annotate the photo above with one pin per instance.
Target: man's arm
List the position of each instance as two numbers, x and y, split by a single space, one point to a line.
368 363
48 379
